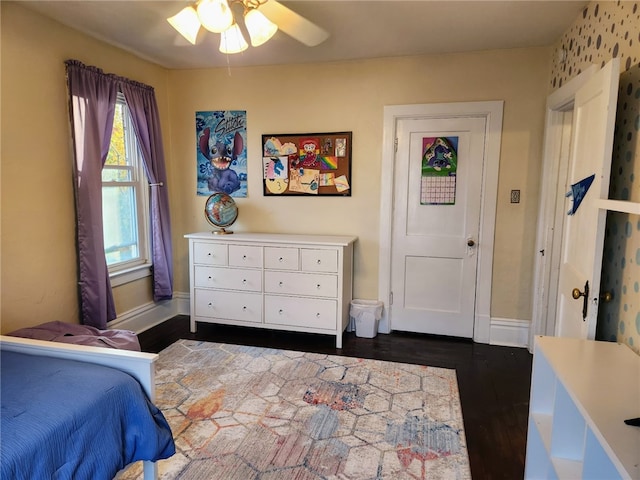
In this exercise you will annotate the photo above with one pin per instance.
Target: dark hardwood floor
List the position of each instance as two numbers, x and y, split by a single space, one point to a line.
493 381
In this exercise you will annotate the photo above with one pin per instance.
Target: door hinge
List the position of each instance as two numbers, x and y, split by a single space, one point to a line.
395 144
390 298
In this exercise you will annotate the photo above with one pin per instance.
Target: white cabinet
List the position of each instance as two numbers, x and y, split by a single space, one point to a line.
581 393
283 282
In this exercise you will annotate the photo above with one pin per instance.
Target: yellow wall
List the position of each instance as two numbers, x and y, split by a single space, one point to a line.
38 229
350 96
38 252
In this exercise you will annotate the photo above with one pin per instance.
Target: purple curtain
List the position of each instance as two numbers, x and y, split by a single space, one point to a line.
93 96
146 123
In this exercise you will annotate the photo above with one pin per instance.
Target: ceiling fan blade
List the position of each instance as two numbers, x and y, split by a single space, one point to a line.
293 24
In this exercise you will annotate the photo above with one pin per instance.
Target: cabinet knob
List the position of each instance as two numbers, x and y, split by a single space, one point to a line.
210 305
244 308
319 262
280 284
244 281
244 257
280 311
318 286
280 259
317 315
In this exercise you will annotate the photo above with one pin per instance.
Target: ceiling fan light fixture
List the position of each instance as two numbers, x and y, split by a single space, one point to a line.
232 40
187 24
215 15
260 28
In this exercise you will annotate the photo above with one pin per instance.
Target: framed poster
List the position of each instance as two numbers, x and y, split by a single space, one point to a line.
221 138
307 164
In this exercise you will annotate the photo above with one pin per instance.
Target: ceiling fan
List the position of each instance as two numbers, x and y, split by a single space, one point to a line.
261 19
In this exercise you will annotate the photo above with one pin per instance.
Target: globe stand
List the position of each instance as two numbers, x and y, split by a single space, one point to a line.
222 231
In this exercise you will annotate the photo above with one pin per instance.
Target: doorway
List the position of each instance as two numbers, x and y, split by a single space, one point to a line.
465 274
577 147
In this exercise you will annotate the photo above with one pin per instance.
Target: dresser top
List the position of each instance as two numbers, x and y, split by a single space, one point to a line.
276 238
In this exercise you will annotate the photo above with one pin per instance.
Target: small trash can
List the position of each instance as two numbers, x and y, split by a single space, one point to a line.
365 315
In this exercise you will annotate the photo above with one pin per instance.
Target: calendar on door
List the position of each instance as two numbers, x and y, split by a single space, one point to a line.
439 167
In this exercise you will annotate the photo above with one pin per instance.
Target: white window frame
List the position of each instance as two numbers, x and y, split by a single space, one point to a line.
140 267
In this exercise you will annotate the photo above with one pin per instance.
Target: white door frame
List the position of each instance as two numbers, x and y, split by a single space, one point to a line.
492 112
550 214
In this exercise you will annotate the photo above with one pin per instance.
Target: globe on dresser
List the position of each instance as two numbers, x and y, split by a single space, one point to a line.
221 211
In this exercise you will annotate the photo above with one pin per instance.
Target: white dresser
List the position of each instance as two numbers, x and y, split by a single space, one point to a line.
581 393
284 282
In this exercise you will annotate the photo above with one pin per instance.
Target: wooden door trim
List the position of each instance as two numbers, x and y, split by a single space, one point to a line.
492 112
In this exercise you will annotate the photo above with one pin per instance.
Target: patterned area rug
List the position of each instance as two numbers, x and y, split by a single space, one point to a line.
240 412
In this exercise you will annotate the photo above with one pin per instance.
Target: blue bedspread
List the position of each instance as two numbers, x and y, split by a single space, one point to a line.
63 419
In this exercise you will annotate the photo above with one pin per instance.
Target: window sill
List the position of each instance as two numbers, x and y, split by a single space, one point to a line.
129 275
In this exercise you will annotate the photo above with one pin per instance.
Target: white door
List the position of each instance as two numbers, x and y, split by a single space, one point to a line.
583 234
435 225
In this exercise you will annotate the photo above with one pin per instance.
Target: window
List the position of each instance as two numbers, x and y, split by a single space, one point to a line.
125 204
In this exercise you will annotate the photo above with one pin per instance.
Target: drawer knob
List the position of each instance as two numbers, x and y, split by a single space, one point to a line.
244 257
244 308
244 281
210 305
319 262
280 284
209 277
280 311
281 259
317 315
318 286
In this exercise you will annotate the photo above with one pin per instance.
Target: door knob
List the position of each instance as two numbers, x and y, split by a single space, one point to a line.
576 293
470 242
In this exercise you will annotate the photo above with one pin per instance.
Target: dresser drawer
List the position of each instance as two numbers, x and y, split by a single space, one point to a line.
246 307
210 253
245 256
294 283
314 260
281 258
227 278
300 312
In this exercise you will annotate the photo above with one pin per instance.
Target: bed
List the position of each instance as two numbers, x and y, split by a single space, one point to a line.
109 422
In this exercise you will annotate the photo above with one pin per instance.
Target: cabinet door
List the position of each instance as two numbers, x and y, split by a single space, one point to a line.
227 278
210 253
316 260
221 304
300 312
293 283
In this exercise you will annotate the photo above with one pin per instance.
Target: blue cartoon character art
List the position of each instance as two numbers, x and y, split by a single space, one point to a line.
221 153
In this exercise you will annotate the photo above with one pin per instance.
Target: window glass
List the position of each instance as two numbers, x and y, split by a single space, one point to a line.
124 196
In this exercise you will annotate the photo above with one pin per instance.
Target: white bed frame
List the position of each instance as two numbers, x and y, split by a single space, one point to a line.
139 365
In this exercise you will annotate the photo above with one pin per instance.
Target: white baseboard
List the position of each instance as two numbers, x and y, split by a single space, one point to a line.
151 314
508 332
494 331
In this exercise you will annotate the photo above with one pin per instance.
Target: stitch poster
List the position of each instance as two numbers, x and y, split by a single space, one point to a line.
221 152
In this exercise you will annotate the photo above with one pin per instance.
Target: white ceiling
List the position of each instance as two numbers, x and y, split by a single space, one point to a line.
358 29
